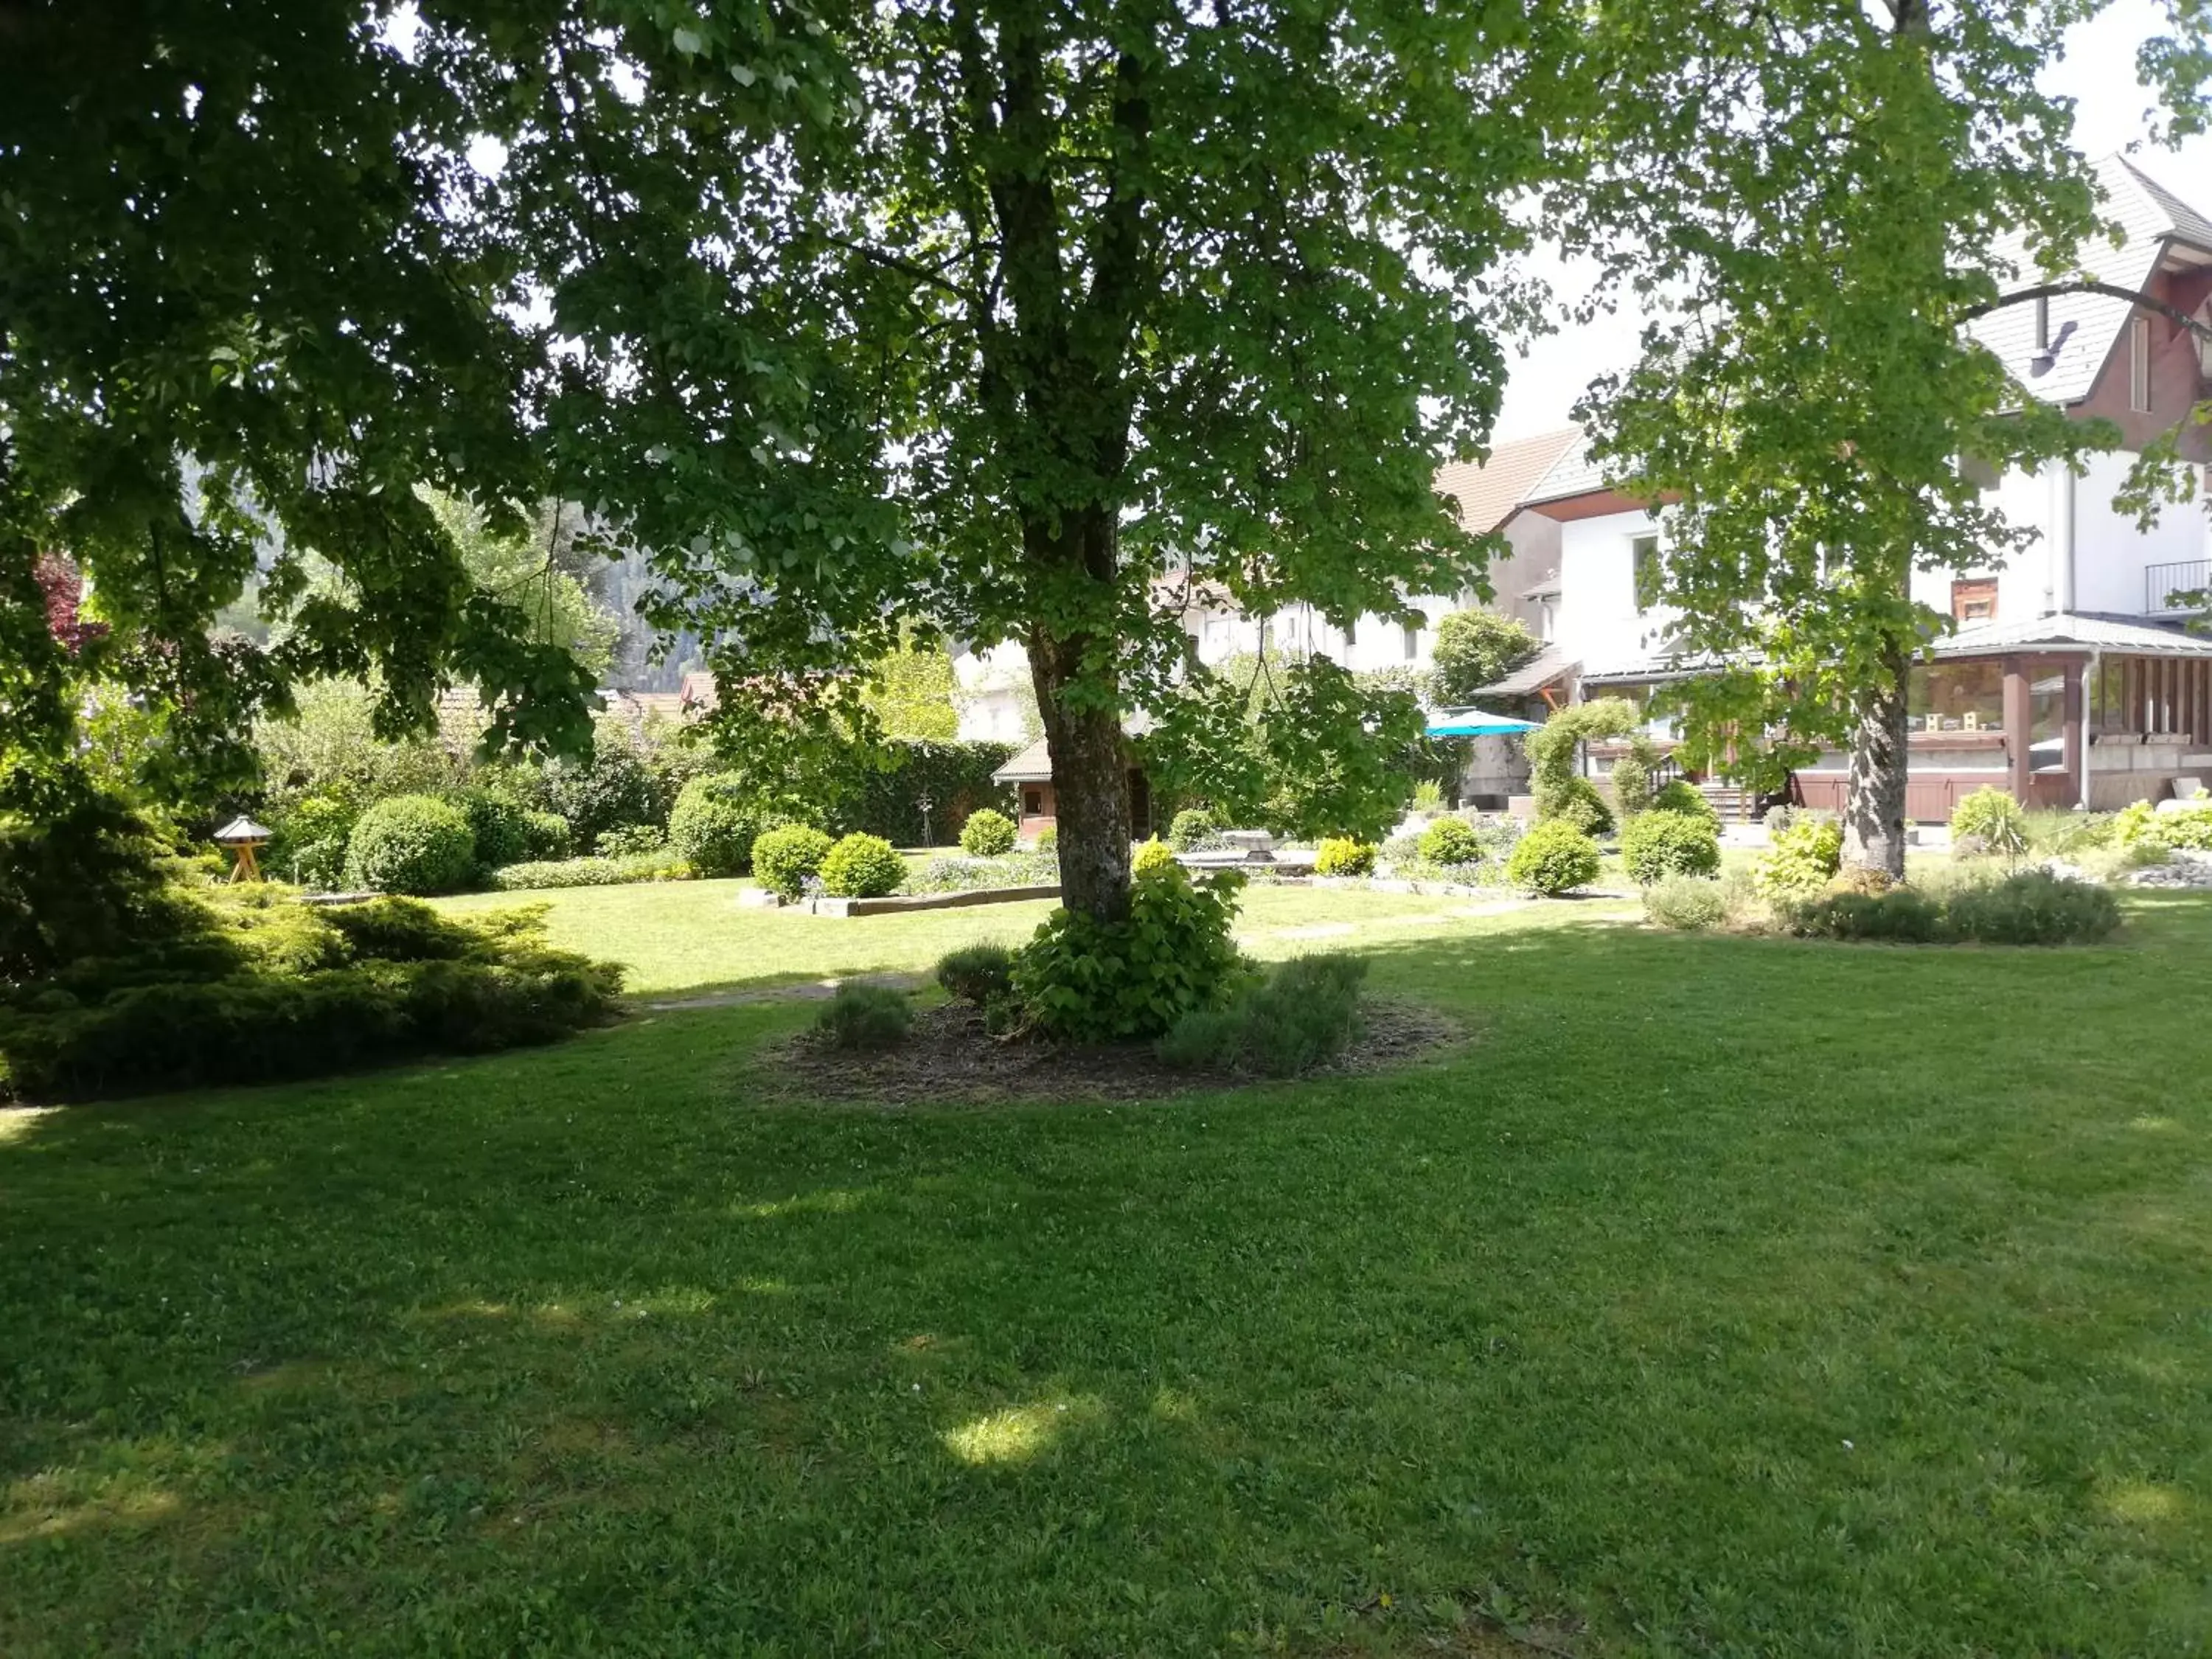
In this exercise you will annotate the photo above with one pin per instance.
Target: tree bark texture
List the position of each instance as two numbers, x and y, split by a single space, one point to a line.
1090 754
1873 799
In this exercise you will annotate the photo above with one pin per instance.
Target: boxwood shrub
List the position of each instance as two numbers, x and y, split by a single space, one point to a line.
1343 855
411 844
1193 829
862 867
785 860
1663 842
1450 841
989 833
1553 858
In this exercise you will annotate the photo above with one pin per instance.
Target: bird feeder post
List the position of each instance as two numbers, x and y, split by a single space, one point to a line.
244 837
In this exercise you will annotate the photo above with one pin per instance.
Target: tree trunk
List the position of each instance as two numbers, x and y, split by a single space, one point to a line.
1873 800
1089 757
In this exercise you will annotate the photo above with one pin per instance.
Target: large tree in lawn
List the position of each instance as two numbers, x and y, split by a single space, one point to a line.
1828 225
1009 305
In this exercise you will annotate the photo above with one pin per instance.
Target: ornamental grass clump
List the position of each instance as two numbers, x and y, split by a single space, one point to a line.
864 1018
1303 1014
1990 823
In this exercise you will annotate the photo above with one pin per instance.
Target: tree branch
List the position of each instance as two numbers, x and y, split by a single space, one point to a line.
2108 290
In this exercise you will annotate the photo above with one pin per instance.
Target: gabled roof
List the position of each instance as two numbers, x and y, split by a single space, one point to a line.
2085 328
1032 765
1575 473
1488 491
1540 671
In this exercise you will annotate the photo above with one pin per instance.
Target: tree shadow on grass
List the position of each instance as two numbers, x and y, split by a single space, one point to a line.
1714 1253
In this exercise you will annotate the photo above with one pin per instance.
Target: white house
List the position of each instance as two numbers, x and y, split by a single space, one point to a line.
2069 679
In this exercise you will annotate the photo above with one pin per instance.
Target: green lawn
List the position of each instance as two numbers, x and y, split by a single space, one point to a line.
1724 1297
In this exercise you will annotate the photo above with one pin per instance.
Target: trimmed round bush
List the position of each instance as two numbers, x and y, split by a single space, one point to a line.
1450 841
1659 843
1192 830
1687 904
1342 855
783 859
1048 839
1574 801
862 867
1553 858
411 844
1989 821
1680 795
989 833
713 825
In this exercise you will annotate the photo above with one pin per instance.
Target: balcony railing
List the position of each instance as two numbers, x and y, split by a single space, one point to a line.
2162 581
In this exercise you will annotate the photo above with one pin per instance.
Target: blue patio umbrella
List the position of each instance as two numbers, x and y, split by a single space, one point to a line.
1475 723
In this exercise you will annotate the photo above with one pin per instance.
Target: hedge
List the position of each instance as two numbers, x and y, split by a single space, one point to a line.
955 776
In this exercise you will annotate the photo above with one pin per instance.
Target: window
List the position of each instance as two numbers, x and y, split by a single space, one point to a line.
1956 696
1032 803
2139 365
1974 599
1547 619
1643 553
1413 638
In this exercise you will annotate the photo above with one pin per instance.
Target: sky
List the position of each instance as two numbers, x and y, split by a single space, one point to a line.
2098 72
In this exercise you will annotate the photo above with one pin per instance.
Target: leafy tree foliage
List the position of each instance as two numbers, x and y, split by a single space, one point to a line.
1833 235
910 692
971 311
1475 648
249 304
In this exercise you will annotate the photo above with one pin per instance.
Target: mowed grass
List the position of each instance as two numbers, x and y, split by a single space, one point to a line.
1722 1296
696 937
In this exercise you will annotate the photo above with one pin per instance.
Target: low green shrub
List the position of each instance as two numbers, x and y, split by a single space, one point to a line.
1342 855
989 833
1681 795
1450 841
589 873
1553 858
411 844
1048 839
268 989
1901 915
954 873
630 841
1193 829
1801 860
785 860
867 1018
2065 833
977 974
1575 801
1087 980
1687 904
1663 842
2034 907
1154 854
1301 1015
1428 796
713 824
862 867
1989 821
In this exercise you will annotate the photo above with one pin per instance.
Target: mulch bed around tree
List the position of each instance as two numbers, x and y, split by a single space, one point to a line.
948 1057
